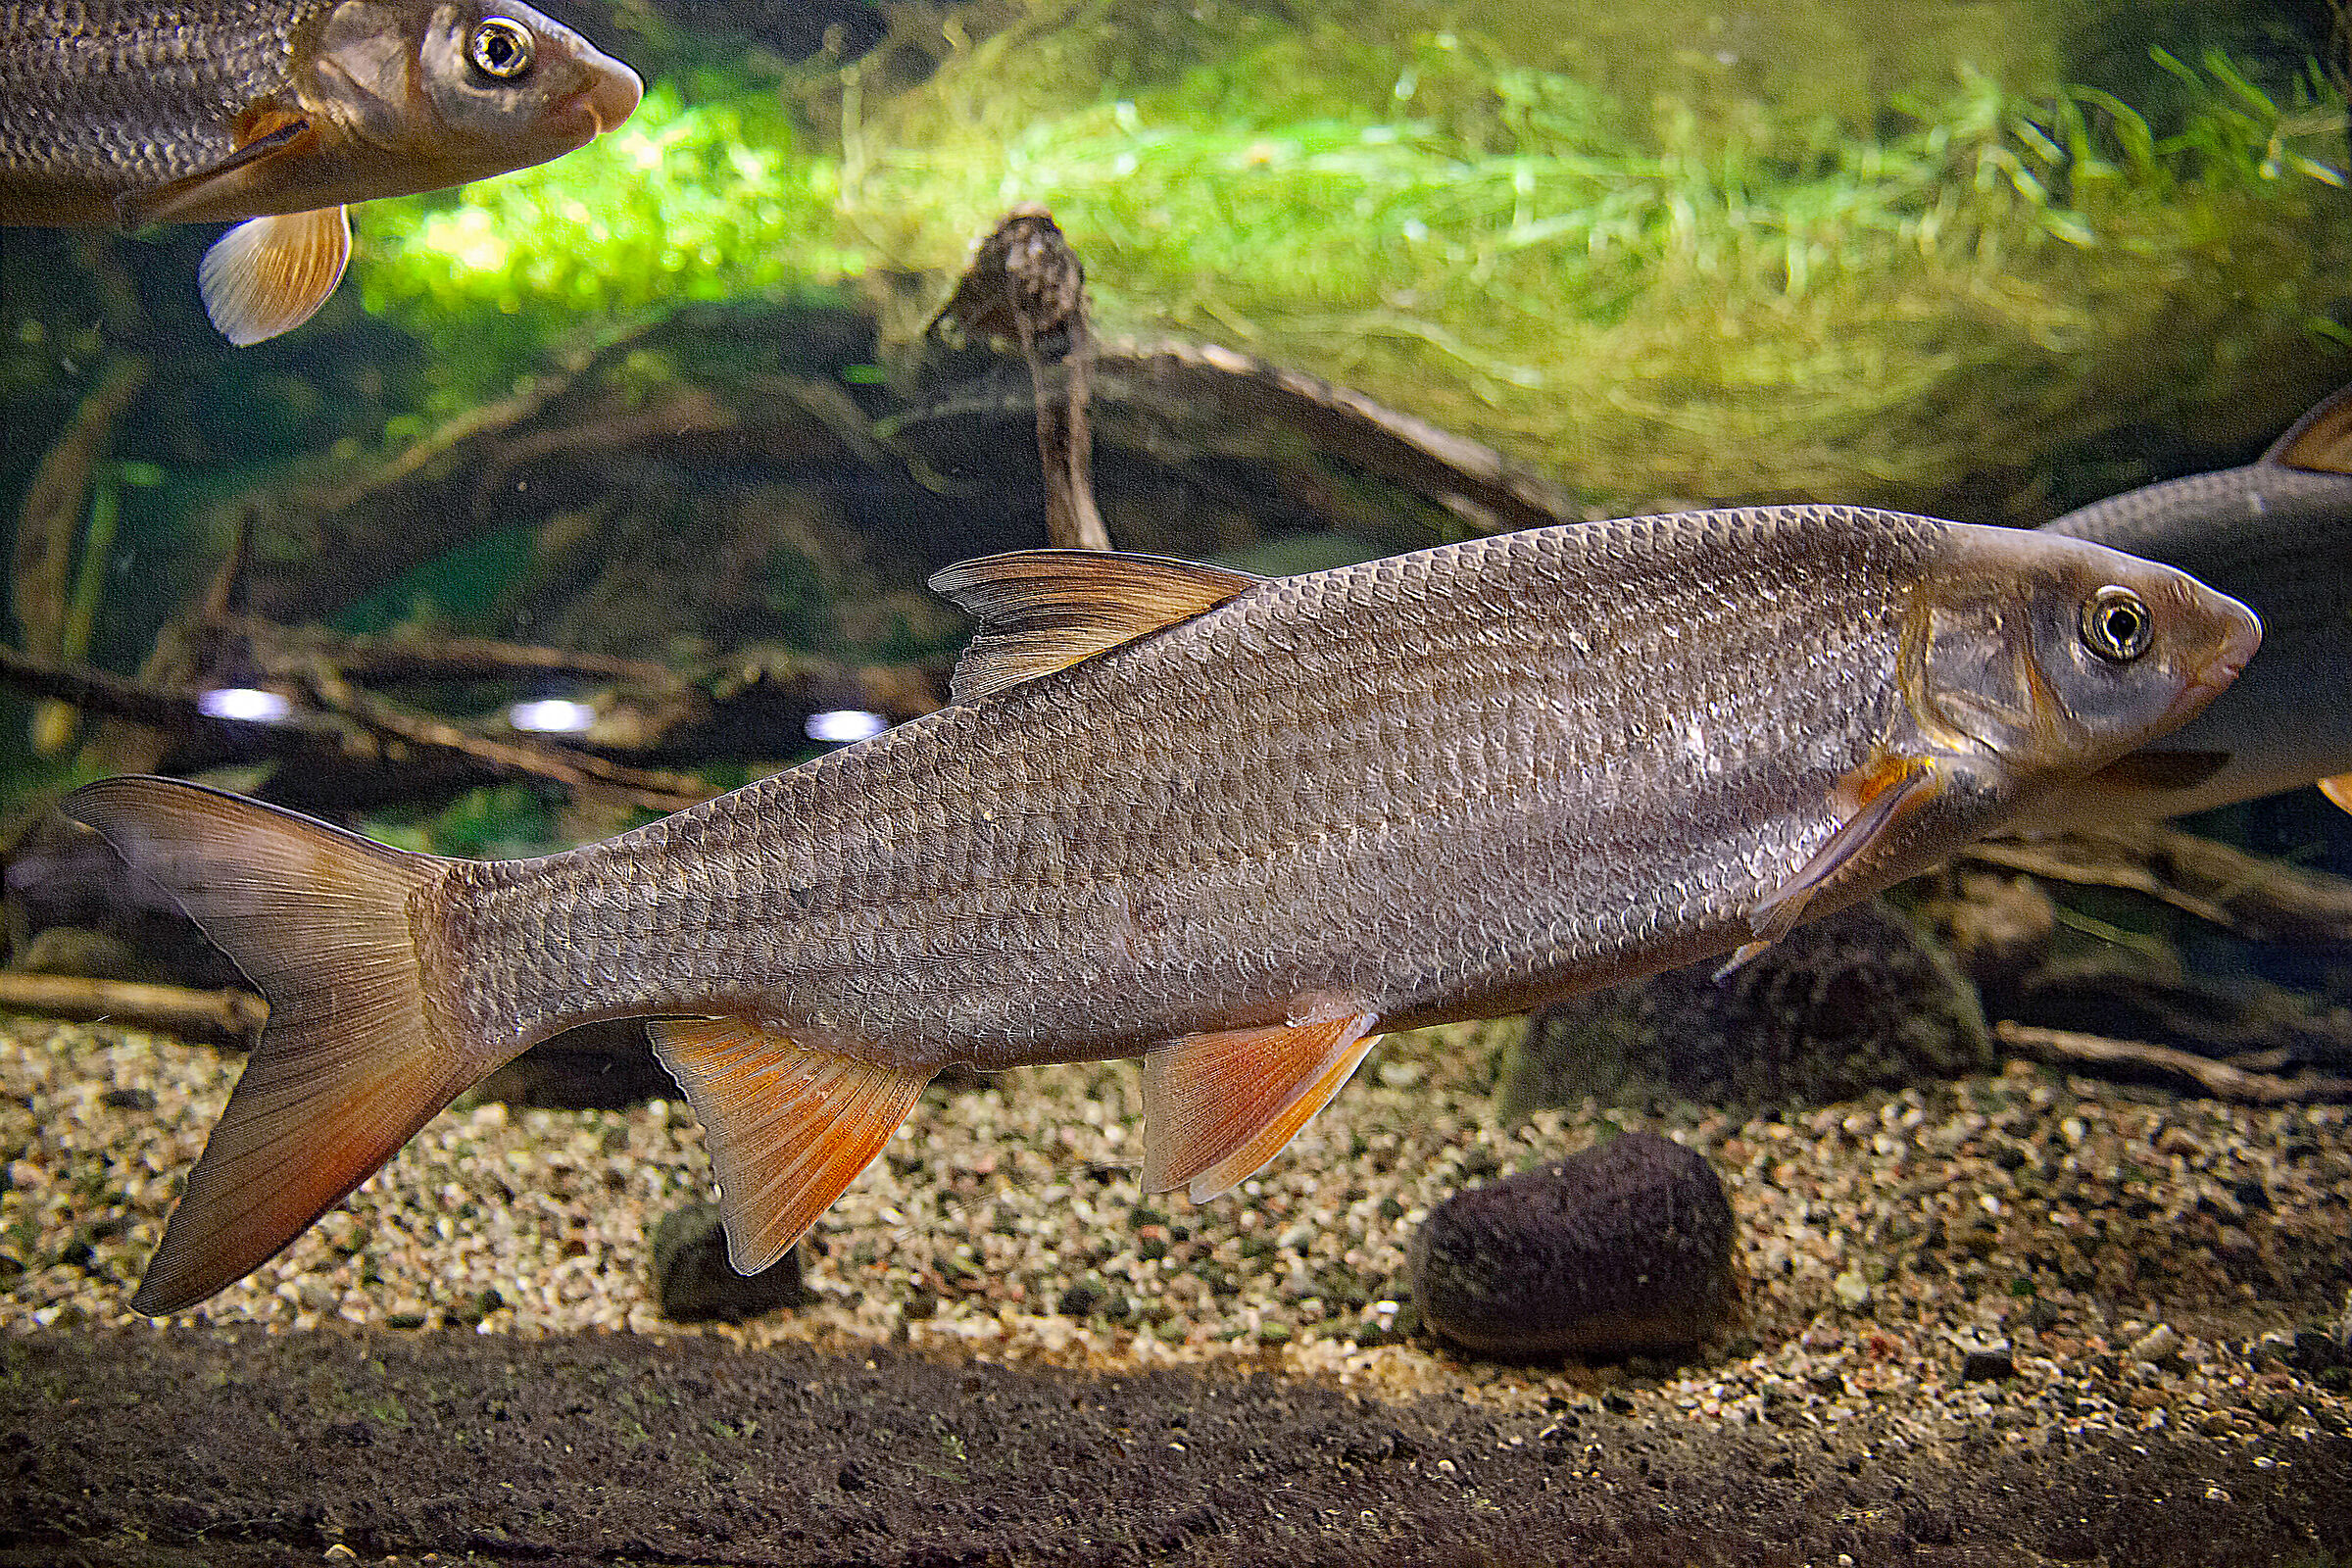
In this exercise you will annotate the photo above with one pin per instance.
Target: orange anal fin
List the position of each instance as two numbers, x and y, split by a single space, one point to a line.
2338 789
789 1127
1888 791
270 275
273 135
1218 1107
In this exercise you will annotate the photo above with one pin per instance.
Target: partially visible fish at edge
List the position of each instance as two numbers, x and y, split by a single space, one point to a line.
1236 826
280 113
2278 535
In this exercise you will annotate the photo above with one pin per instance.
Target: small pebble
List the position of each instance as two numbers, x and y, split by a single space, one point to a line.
1989 1362
694 1281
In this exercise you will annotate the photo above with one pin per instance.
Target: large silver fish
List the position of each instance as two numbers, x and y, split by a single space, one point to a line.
2276 534
280 112
1237 826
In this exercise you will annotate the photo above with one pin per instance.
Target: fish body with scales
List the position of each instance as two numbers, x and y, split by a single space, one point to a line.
1234 826
280 112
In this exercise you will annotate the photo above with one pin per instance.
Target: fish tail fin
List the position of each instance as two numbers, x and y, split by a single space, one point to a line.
358 1054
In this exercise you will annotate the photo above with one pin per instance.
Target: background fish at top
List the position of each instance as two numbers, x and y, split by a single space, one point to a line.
280 112
2276 535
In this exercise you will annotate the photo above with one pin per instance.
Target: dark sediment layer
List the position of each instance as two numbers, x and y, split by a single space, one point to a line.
244 1447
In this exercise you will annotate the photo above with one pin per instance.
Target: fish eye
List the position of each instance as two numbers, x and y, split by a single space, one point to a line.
2117 625
501 48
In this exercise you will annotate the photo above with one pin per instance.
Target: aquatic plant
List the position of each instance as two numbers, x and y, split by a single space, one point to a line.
1688 296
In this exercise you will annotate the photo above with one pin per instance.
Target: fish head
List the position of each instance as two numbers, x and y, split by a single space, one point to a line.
2041 658
428 93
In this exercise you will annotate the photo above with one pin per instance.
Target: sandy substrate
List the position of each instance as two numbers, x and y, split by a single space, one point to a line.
2147 1262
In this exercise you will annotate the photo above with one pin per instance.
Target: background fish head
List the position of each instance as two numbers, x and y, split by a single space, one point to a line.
2042 657
420 94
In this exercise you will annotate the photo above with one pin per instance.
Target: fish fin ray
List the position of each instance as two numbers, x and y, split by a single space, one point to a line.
2338 789
1040 611
268 276
2319 442
789 1126
162 204
1890 791
1218 1107
356 1056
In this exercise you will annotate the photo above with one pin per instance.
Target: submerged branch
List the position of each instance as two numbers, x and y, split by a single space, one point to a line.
172 1010
2225 887
2063 1048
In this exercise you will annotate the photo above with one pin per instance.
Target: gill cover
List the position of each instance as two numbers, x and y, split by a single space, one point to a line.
2056 655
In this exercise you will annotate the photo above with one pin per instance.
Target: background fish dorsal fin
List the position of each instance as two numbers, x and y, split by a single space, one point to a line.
2321 441
1040 611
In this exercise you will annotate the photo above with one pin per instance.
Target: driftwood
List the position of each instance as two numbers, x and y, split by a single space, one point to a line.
231 1015
1025 283
2225 887
2063 1048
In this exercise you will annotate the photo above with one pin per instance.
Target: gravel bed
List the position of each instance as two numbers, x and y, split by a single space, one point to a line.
2005 1256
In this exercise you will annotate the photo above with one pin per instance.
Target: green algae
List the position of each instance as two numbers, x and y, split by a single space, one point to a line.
1867 266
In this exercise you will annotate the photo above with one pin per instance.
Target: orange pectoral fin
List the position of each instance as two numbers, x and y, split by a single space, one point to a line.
789 1127
1218 1107
1888 791
270 275
2338 789
277 134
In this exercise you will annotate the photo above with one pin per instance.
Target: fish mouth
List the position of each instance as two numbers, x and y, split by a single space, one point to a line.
2215 674
609 100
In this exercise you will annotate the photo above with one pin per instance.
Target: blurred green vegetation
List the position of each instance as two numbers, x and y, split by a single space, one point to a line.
1838 258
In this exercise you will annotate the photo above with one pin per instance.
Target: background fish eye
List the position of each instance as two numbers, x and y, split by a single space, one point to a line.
500 47
2117 625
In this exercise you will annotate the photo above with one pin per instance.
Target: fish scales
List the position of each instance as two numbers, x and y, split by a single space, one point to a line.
120 95
1235 826
1133 857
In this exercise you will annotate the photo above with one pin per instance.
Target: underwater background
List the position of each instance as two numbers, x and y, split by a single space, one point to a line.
608 484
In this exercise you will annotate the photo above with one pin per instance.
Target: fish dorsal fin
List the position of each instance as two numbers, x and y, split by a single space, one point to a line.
270 275
788 1126
1040 611
1218 1107
2321 441
274 136
2338 789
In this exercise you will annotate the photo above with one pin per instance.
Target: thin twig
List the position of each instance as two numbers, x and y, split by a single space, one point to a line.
173 1010
2064 1048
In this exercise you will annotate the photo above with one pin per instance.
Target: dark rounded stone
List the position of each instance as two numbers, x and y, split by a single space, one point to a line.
1623 1247
694 1282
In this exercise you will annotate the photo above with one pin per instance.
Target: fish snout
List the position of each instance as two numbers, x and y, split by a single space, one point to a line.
2237 636
611 94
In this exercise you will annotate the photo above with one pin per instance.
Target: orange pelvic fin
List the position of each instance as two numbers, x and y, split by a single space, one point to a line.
1040 611
789 1127
270 275
354 1058
1887 793
2338 789
267 136
1218 1107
